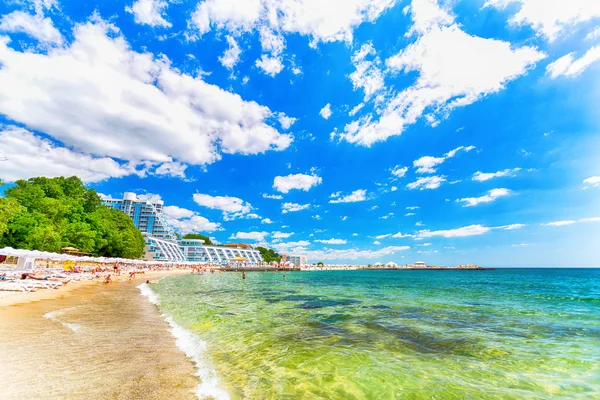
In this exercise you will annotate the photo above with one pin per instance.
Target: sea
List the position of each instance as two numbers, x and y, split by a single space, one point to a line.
394 334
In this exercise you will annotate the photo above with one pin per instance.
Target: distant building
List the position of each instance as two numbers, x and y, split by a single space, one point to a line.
161 240
147 216
420 264
297 260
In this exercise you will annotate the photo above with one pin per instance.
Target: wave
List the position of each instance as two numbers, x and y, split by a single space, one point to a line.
52 315
194 348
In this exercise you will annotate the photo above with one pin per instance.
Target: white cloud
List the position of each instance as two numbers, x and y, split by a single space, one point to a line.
488 198
399 171
410 214
427 164
486 176
232 207
231 56
593 181
272 196
349 254
28 155
511 227
570 67
173 169
428 182
454 69
304 182
571 222
150 197
356 196
560 223
266 221
332 241
317 217
285 121
551 17
368 75
593 35
344 218
325 111
356 109
471 230
355 234
184 220
270 65
35 26
257 236
376 242
293 207
149 12
329 21
281 235
412 207
400 235
130 105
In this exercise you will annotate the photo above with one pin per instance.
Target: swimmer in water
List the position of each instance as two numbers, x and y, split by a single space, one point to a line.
243 275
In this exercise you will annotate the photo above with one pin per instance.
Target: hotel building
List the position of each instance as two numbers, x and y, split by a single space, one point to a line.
162 243
297 260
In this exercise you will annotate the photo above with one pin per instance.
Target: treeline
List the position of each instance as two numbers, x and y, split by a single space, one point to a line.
269 255
51 213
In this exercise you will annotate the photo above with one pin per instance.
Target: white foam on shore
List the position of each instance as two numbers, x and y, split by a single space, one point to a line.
52 315
194 348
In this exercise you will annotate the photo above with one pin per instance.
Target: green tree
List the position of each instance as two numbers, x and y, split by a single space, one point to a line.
51 213
268 255
320 264
206 239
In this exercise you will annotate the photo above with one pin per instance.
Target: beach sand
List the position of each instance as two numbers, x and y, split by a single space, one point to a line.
90 341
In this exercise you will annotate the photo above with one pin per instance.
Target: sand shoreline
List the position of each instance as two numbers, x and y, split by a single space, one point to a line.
91 340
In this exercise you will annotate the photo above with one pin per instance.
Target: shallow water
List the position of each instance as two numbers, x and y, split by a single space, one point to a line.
395 334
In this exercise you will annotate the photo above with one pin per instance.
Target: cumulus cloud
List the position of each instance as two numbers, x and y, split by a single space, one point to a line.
293 207
368 75
232 55
149 12
571 67
550 18
332 241
232 207
399 171
428 164
35 25
329 21
27 156
266 221
471 230
304 182
486 176
487 198
454 69
272 196
130 105
428 182
354 197
256 236
285 121
593 181
269 65
281 235
325 111
184 220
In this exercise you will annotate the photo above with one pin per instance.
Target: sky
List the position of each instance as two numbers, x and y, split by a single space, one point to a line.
350 131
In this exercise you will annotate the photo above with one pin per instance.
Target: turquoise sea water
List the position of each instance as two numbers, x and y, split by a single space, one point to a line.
508 333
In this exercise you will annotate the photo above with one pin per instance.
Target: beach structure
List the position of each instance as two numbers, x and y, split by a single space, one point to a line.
297 260
162 243
420 264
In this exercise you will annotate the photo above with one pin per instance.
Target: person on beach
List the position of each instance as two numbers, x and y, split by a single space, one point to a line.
108 279
132 275
243 275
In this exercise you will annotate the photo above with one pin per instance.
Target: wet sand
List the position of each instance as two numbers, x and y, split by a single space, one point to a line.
92 342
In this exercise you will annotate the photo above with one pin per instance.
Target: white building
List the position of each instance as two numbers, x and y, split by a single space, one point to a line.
297 260
195 251
420 264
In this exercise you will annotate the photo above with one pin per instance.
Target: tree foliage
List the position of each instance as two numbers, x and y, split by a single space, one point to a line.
269 255
206 239
51 213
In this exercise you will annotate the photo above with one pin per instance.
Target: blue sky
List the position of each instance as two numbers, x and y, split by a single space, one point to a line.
350 131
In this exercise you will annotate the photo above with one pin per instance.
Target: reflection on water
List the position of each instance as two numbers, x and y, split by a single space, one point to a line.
396 334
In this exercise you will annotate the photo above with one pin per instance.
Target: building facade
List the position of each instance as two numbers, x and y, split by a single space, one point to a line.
297 260
147 216
161 240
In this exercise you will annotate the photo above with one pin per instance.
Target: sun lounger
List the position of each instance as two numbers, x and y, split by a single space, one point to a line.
16 287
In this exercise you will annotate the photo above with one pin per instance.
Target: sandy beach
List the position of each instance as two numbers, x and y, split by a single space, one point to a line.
91 340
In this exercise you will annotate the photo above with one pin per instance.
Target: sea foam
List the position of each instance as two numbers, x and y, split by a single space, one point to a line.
52 315
194 348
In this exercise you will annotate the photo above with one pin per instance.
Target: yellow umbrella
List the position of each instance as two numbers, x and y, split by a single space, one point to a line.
238 258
